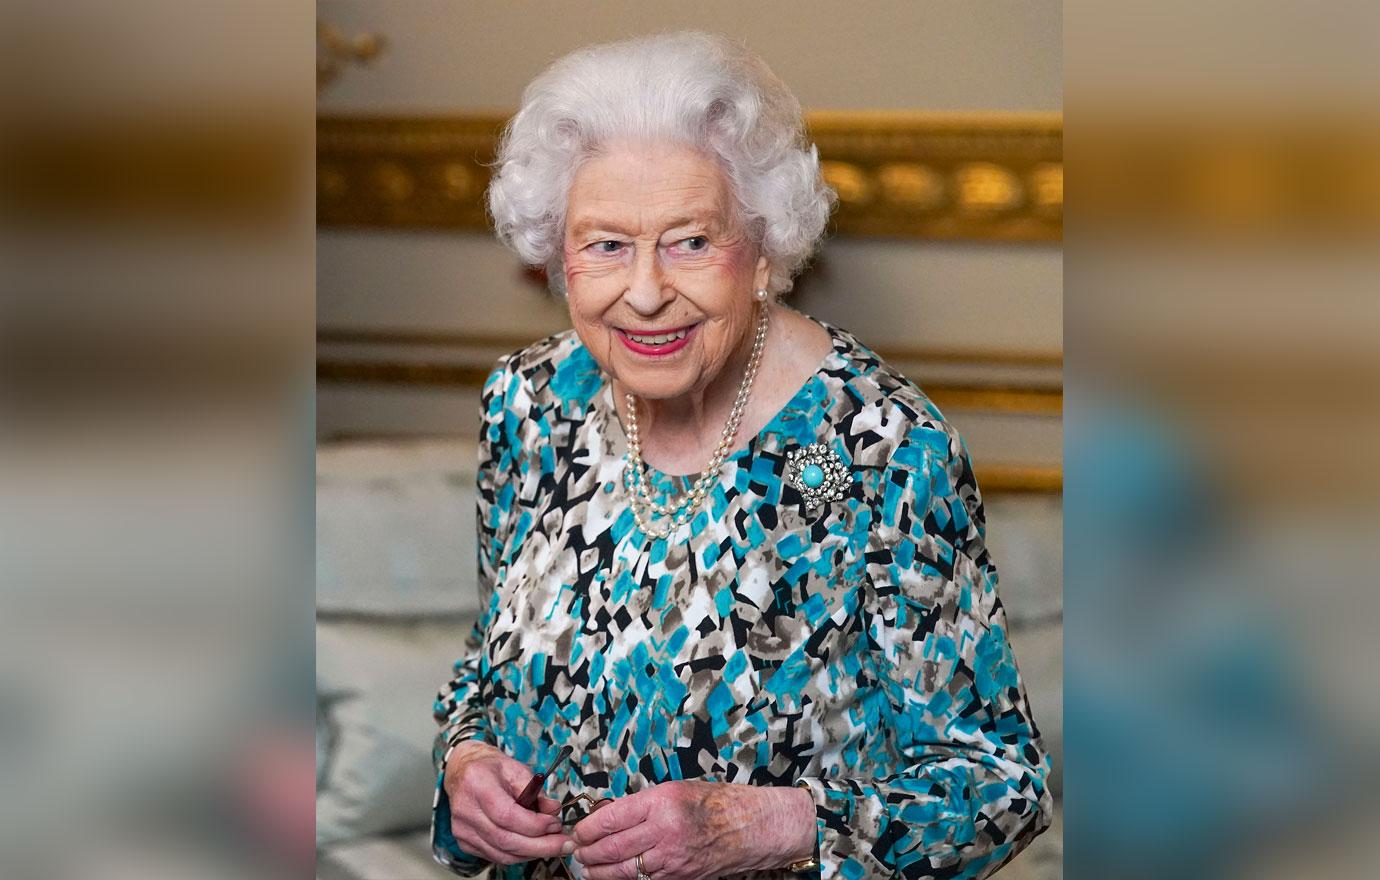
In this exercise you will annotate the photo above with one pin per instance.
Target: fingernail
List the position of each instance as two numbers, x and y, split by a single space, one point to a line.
568 847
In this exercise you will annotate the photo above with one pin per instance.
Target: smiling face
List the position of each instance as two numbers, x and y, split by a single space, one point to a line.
659 271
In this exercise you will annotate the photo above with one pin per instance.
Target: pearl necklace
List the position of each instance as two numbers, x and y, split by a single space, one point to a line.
642 504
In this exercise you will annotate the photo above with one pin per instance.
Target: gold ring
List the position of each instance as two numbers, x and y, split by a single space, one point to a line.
641 871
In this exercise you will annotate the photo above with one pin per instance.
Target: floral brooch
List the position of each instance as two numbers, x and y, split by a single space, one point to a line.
818 473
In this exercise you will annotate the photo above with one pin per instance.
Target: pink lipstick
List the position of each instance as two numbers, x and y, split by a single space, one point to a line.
658 343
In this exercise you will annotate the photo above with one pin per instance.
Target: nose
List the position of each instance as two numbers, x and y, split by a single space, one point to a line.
649 286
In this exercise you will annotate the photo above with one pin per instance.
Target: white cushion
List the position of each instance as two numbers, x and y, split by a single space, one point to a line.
376 682
395 528
1025 534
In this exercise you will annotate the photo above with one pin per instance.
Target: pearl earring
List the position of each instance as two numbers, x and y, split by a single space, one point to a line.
761 296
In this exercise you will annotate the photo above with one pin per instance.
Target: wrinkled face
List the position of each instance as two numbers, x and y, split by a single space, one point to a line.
659 272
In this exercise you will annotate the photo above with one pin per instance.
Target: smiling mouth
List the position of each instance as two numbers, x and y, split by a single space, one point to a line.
657 338
658 343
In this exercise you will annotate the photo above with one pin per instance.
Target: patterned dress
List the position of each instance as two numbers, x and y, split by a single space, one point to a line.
856 648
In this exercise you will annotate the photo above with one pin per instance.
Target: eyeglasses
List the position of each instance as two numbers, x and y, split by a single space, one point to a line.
572 811
580 806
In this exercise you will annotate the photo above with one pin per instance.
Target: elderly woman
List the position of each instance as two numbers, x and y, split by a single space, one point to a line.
726 553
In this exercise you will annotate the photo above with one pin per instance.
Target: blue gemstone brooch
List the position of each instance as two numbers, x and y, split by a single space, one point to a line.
818 473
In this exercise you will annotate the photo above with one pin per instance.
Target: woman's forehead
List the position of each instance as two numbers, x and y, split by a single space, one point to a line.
647 188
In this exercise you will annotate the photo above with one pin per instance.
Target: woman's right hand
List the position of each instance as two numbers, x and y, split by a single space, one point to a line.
483 785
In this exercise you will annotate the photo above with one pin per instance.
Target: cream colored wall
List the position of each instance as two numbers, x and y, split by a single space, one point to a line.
900 54
447 57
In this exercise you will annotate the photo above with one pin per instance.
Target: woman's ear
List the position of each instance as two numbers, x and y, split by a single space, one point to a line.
761 275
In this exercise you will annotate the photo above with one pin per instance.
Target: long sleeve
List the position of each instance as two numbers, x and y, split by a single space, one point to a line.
972 791
459 708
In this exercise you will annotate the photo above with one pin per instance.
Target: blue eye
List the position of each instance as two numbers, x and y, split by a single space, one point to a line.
696 243
607 247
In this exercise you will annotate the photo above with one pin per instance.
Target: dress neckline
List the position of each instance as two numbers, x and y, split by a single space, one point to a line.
775 426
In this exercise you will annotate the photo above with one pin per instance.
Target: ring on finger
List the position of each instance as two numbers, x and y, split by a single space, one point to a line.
642 870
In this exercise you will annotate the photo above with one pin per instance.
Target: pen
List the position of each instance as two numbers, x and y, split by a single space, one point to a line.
528 799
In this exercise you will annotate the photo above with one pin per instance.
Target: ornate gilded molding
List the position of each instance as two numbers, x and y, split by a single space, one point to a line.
409 173
432 358
430 374
511 342
1001 479
1007 479
441 374
990 177
993 177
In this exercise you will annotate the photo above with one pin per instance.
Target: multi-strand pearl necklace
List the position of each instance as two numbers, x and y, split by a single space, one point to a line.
643 506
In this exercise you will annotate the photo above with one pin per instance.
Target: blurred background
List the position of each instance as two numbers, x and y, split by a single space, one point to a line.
155 438
939 126
1221 437
164 166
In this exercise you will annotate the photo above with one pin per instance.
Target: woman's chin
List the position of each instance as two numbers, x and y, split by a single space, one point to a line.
653 390
658 381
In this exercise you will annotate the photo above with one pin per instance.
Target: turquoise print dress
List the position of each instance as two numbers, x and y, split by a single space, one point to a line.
856 648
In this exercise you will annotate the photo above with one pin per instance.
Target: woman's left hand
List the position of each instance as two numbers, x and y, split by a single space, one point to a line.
689 830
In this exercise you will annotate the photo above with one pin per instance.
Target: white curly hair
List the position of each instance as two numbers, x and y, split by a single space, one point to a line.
699 89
